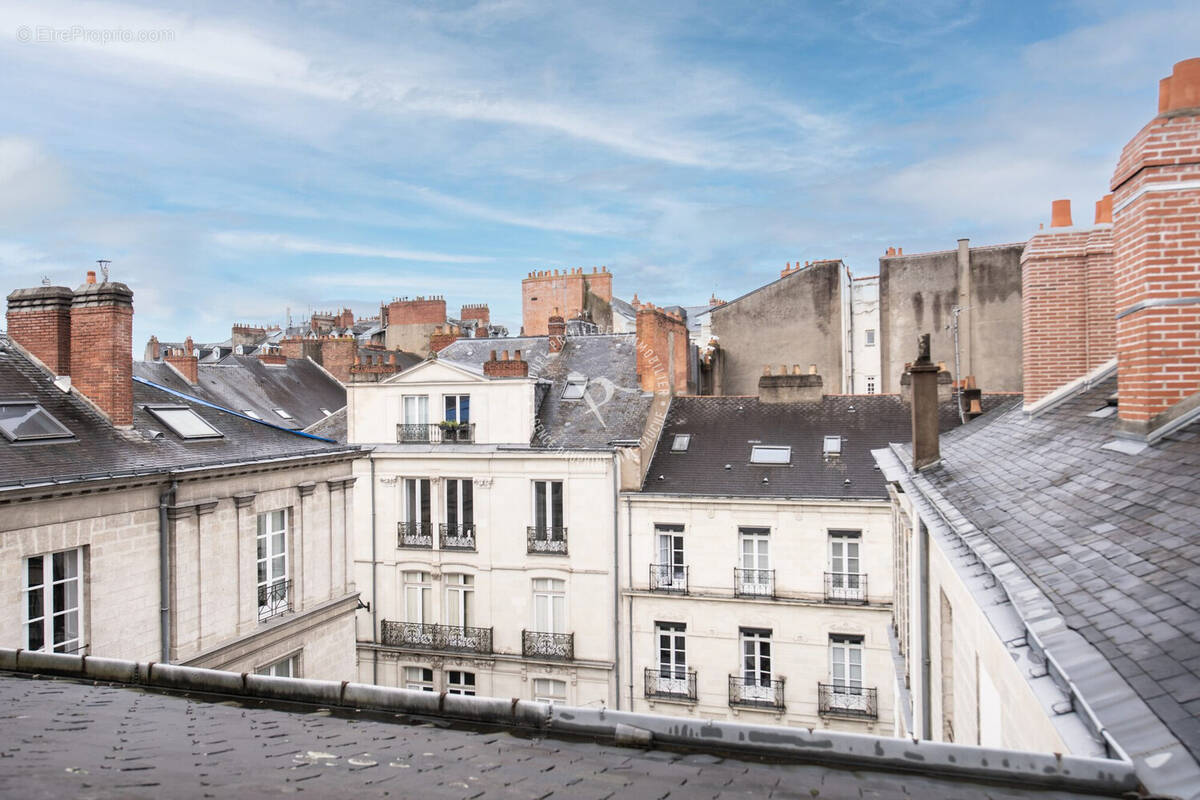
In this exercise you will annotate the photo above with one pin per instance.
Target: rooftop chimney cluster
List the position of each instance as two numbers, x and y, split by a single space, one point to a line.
504 367
894 251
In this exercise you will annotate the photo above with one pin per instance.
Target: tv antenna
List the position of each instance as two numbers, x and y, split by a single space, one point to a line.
104 262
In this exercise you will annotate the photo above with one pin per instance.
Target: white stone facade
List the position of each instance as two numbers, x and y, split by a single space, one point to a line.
863 334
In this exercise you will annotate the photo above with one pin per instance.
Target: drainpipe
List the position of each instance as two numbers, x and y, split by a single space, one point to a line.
962 415
617 576
629 558
374 595
923 579
165 500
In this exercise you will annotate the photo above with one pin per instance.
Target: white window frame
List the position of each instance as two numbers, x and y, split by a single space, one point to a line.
460 600
464 486
418 405
681 442
549 605
757 664
458 398
43 594
460 681
419 679
770 454
832 445
671 645
415 508
846 673
754 555
845 557
549 690
869 337
548 508
417 589
283 668
672 562
271 543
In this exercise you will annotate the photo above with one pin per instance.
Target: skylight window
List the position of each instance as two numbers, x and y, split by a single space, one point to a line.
575 388
29 422
251 413
184 422
833 445
325 411
681 442
283 413
763 454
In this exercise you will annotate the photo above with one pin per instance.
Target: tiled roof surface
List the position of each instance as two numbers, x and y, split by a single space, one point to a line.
1112 539
724 429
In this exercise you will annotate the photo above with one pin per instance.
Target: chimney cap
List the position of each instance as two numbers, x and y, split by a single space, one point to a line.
1060 214
1182 88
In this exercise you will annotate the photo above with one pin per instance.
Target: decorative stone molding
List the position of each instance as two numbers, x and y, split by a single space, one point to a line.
245 499
306 489
390 480
482 483
204 507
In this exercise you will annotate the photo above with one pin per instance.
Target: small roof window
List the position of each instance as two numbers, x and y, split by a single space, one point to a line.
325 411
833 445
764 454
185 422
283 413
575 388
681 442
251 413
29 422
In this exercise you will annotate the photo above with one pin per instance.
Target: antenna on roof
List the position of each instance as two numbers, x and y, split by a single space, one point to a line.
45 280
104 262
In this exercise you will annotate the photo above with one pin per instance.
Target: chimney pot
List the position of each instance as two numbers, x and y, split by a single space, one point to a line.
91 276
1104 209
1182 89
812 369
1060 214
767 369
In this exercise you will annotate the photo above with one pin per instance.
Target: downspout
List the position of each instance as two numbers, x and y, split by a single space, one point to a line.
629 558
923 579
374 569
165 500
617 577
962 415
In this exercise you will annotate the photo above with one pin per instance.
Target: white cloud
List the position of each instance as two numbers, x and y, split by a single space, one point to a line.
31 181
249 240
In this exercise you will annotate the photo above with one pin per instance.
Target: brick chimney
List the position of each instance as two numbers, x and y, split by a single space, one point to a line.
556 328
185 361
794 386
1156 243
516 367
102 347
661 350
39 319
442 337
925 447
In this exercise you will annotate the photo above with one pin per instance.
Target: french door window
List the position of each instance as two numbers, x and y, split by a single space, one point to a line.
672 570
846 673
458 408
756 665
549 605
460 600
548 509
755 575
418 597
672 658
273 585
54 602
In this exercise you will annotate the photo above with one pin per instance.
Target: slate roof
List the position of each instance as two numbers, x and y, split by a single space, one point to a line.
244 382
1111 538
332 427
99 449
87 739
724 429
613 408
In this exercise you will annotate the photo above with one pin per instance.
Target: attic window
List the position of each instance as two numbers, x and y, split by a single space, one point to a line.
763 454
576 386
251 413
184 422
325 411
681 442
833 445
283 413
29 422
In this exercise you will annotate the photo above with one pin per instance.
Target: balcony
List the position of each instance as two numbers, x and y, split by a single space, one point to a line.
669 578
449 638
845 587
671 683
547 540
847 701
756 692
553 646
457 537
758 583
416 534
274 599
435 433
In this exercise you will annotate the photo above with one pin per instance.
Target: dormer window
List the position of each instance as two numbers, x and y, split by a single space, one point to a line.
283 413
29 422
764 454
833 445
681 442
575 388
184 422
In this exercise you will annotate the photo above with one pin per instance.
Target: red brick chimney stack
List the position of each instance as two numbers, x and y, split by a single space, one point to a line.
506 368
185 361
661 350
39 319
556 327
102 347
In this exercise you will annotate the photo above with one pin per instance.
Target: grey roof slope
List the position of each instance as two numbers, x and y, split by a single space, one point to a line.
613 408
68 738
723 430
334 426
99 449
1112 539
244 382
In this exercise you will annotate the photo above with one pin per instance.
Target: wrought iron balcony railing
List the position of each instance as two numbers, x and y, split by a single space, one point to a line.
754 583
845 587
848 701
756 692
555 646
547 540
671 683
672 578
451 638
274 599
435 432
415 534
457 537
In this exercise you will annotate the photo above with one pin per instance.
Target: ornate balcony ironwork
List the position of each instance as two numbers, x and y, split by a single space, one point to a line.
671 578
416 534
274 599
435 432
754 583
457 537
671 683
451 638
555 646
848 701
756 692
547 540
845 587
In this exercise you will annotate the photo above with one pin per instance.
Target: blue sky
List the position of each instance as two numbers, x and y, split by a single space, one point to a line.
323 154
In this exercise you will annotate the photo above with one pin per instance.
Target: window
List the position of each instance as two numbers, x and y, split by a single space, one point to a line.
54 602
846 582
251 413
458 407
549 605
460 682
547 505
575 388
460 600
416 409
273 584
755 577
671 567
282 413
460 504
418 597
549 690
756 666
833 445
672 658
417 512
870 384
29 422
285 668
184 422
762 454
845 670
870 337
325 411
418 678
681 442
